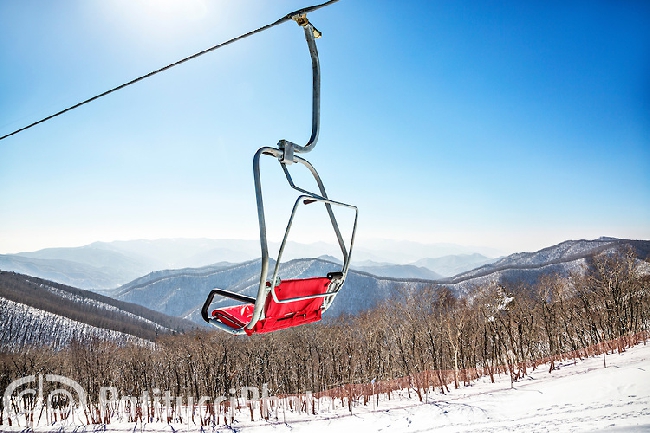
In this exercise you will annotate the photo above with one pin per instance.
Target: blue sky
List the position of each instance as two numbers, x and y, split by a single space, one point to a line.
513 125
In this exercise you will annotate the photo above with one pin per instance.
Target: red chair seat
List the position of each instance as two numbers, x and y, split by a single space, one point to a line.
236 317
280 316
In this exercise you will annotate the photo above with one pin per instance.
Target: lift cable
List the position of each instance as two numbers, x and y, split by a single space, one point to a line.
285 18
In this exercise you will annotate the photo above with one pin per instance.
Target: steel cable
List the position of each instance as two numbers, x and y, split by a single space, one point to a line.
285 18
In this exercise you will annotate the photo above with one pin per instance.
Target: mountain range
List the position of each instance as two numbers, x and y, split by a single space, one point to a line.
182 292
102 266
561 259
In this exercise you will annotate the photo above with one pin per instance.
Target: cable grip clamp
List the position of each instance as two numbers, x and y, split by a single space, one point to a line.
302 21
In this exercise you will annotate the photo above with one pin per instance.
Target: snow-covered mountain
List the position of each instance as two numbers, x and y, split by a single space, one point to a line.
23 325
37 311
182 293
562 259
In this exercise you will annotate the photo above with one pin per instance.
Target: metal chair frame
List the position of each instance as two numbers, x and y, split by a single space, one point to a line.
286 154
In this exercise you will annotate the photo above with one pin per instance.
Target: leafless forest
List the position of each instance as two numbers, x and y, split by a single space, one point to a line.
429 340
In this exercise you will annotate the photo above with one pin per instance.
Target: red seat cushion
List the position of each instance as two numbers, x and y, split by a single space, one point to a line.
236 317
280 316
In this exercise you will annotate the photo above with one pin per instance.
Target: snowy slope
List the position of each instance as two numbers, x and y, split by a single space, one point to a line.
23 325
576 397
37 311
580 396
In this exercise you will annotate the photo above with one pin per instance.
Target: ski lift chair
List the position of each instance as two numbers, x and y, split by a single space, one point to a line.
282 304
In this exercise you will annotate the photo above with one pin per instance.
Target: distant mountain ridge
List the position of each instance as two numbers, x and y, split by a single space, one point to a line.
182 292
103 266
448 266
77 271
396 271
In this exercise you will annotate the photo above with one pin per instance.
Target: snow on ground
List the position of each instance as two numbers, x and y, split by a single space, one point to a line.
576 397
581 397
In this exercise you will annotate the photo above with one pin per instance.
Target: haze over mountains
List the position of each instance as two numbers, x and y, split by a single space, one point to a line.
448 266
181 292
104 266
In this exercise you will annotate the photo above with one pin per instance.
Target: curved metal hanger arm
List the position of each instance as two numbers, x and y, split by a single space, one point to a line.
311 33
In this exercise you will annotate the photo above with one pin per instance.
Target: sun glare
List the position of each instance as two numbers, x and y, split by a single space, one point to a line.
162 21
